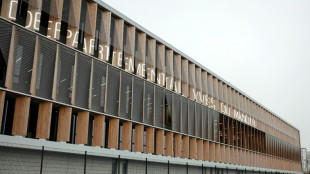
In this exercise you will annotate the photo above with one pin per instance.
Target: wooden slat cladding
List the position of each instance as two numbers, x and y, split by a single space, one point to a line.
98 138
44 120
21 115
64 124
82 127
2 101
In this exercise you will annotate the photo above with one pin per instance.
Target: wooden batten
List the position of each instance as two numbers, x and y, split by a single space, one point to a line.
161 79
150 140
177 145
2 101
21 115
212 151
218 156
206 151
55 17
139 130
113 133
9 9
90 28
34 68
193 148
54 91
130 49
151 59
177 74
141 51
126 135
34 15
198 94
184 77
74 23
185 147
104 37
169 69
10 67
159 142
200 149
74 79
44 120
82 127
222 153
118 42
192 81
98 137
64 124
169 144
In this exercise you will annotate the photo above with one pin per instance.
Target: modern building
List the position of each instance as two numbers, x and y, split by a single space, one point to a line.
84 89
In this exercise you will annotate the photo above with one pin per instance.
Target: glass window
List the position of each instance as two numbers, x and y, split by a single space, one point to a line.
65 75
177 73
138 86
140 53
82 79
99 86
168 109
198 119
82 26
191 117
160 64
128 48
46 65
176 113
126 95
159 104
5 35
113 88
148 103
150 59
102 35
23 60
184 112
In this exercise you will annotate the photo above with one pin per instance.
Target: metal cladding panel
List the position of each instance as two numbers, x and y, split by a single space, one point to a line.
65 75
184 115
55 162
5 35
136 167
194 170
177 169
168 109
210 124
46 66
191 117
95 164
157 168
137 113
159 104
23 60
176 112
148 103
204 122
198 119
82 81
126 96
113 91
99 86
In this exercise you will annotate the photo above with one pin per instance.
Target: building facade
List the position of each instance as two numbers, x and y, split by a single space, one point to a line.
305 160
85 89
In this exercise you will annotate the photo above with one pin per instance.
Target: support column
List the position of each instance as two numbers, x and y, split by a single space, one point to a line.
126 135
177 145
200 149
21 115
98 136
113 133
150 140
44 120
206 150
193 148
159 142
64 124
2 100
82 128
139 129
169 144
185 147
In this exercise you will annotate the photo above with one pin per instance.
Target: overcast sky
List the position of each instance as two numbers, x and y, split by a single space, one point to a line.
262 47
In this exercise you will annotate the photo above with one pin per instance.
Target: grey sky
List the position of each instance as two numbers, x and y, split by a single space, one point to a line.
262 47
